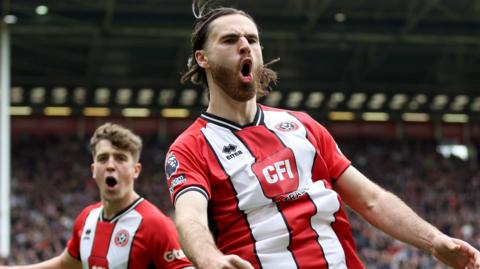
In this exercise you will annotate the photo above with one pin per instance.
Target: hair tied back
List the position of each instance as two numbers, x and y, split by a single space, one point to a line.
201 7
198 6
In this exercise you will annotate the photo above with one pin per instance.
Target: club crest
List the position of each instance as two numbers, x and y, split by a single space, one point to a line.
121 238
287 126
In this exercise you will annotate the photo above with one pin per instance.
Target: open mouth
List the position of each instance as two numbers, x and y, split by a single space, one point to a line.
246 68
111 182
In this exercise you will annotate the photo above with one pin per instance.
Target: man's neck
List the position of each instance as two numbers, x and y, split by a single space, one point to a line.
227 108
112 208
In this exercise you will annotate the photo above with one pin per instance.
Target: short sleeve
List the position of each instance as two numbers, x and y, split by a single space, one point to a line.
186 170
165 246
73 244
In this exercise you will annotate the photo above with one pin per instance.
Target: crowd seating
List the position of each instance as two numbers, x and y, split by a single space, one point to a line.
51 183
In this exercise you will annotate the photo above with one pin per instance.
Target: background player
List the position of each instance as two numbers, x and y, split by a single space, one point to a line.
123 230
271 183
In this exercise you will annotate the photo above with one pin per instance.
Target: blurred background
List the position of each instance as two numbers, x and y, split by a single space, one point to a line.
397 83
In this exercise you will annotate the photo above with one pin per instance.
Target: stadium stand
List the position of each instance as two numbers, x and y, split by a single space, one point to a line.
51 183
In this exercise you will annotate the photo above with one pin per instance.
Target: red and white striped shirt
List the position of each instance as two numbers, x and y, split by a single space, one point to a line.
269 186
140 236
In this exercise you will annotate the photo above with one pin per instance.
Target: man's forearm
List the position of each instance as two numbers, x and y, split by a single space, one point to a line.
391 215
63 261
384 210
54 263
197 241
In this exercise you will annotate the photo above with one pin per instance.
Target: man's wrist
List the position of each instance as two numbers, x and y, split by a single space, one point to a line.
209 258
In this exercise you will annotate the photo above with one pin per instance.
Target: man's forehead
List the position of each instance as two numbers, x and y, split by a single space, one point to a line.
106 146
235 23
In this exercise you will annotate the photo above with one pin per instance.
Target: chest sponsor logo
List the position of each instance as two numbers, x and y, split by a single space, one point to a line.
287 126
293 195
174 254
278 174
121 238
231 151
171 165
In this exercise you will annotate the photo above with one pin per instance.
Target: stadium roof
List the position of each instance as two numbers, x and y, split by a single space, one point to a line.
357 55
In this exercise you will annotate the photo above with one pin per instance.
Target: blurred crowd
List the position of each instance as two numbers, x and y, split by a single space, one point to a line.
51 183
444 191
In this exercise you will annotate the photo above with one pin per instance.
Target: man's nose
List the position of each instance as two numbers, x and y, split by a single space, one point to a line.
111 163
244 45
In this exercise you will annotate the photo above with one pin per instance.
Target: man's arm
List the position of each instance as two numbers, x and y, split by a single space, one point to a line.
63 261
388 213
197 241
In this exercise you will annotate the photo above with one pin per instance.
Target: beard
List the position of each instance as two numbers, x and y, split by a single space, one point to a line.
227 79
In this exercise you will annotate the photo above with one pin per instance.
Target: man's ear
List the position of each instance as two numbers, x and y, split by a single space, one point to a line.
201 58
137 168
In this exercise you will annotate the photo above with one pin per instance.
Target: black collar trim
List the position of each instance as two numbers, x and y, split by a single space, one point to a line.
257 120
123 212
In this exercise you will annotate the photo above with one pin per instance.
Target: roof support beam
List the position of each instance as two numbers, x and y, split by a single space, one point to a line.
315 10
97 45
413 18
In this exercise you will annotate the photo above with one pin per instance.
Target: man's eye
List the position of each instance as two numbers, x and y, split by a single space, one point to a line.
121 158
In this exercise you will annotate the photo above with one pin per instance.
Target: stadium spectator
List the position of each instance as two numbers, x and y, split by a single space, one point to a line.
123 230
269 182
408 168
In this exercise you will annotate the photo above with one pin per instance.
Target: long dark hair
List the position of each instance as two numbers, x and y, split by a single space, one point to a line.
204 16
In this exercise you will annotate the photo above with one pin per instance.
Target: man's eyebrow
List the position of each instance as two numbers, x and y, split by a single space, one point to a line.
237 35
101 155
120 154
251 36
230 35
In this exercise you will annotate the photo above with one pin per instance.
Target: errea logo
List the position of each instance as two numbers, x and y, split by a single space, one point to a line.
87 234
229 148
231 151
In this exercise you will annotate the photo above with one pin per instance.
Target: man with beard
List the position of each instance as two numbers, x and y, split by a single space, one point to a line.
258 187
123 230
